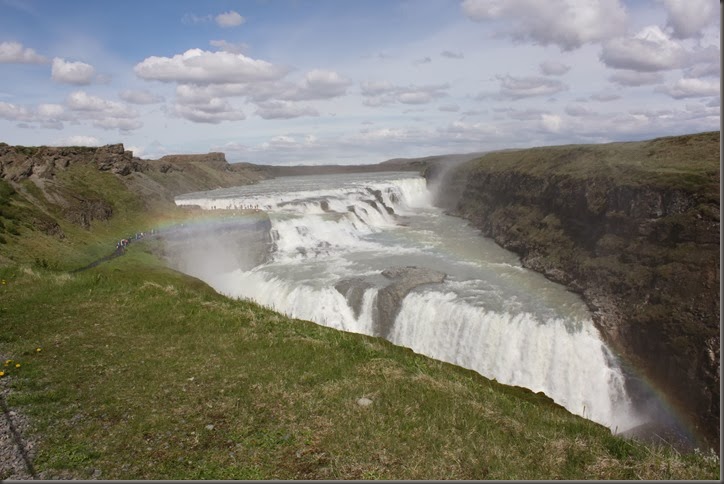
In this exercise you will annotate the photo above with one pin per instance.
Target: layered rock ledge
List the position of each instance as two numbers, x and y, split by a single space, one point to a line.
634 228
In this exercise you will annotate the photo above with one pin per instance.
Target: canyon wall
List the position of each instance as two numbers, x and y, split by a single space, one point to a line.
632 227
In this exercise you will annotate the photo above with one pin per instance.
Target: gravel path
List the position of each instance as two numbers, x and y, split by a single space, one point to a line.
16 452
18 448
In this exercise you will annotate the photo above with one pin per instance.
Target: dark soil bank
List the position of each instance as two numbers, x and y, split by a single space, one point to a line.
632 227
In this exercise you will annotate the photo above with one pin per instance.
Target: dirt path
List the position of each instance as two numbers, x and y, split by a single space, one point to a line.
118 252
16 453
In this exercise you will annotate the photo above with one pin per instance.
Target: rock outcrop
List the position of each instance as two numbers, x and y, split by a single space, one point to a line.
21 162
69 179
639 240
397 283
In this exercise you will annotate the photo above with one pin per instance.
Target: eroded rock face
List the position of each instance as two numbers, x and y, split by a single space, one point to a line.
389 298
83 212
353 290
644 256
402 280
214 159
18 163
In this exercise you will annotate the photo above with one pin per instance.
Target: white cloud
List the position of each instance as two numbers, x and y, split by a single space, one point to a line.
605 96
577 110
204 67
649 50
211 111
284 110
193 19
319 84
234 48
78 73
104 114
387 136
103 79
283 142
116 123
416 97
82 101
474 112
635 78
643 123
140 96
193 94
686 87
553 68
711 69
375 88
551 122
687 18
449 108
383 93
525 114
698 110
49 116
14 52
521 87
52 125
566 23
51 111
78 140
462 132
13 112
229 19
705 62
452 54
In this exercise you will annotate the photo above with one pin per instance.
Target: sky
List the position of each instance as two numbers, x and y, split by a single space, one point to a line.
355 81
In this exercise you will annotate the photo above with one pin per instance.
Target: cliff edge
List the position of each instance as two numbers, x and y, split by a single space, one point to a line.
634 228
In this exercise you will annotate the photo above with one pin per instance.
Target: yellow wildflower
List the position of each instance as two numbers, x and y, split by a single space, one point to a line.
2 373
7 362
38 350
17 365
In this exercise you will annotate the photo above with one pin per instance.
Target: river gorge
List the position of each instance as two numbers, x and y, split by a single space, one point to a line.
370 253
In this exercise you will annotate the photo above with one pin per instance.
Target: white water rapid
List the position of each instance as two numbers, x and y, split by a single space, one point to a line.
489 314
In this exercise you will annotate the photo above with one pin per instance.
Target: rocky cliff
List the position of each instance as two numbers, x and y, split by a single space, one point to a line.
21 162
164 178
632 227
51 198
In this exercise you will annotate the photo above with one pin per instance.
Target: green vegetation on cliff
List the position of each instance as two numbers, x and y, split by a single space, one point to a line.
146 373
634 228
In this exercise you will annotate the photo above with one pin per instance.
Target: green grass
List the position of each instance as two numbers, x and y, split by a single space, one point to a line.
146 373
687 162
26 211
138 362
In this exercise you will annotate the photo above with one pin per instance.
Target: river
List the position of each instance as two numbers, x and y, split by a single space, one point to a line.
489 314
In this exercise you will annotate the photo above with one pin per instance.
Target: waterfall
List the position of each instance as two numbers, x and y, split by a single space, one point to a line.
489 315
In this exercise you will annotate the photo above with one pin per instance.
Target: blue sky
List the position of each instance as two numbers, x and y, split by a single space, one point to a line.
315 81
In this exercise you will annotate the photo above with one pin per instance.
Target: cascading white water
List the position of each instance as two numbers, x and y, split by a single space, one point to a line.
489 315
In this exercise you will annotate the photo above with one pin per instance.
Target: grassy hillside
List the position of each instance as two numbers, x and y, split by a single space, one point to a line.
675 161
146 373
